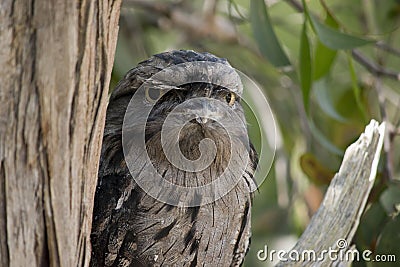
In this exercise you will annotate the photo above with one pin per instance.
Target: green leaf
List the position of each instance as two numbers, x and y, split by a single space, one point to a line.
390 199
321 138
388 243
235 6
265 36
316 171
370 226
325 100
356 88
332 38
305 66
324 56
335 39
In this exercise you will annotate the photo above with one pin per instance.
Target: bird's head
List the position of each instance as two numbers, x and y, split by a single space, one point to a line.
200 109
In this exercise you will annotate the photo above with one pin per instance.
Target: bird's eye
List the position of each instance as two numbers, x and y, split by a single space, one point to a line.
230 98
153 94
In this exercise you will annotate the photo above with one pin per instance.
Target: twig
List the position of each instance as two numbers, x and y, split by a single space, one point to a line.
372 67
296 4
393 131
387 143
219 28
384 46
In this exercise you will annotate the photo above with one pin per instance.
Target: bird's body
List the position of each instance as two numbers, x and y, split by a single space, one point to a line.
130 227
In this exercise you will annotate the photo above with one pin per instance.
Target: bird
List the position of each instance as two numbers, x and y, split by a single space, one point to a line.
131 227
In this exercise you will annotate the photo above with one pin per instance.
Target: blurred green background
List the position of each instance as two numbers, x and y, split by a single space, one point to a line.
326 73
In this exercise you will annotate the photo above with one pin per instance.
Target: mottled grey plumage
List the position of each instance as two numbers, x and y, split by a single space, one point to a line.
145 232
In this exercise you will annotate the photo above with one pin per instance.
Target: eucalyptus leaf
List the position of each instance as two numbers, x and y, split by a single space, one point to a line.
324 56
324 100
305 67
265 35
390 199
388 247
321 138
370 226
356 88
333 38
323 60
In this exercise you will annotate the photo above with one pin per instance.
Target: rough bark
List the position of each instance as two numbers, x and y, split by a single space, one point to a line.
56 59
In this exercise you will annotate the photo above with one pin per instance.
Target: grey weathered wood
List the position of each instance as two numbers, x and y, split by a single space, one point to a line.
339 214
56 59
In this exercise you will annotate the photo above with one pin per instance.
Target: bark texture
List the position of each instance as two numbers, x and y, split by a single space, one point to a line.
56 59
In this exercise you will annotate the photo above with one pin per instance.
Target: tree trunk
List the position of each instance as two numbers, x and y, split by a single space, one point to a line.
56 59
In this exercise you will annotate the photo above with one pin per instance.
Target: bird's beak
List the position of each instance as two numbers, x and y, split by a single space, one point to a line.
206 113
202 120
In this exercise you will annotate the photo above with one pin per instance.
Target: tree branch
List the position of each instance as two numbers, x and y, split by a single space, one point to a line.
200 25
372 67
337 219
384 46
